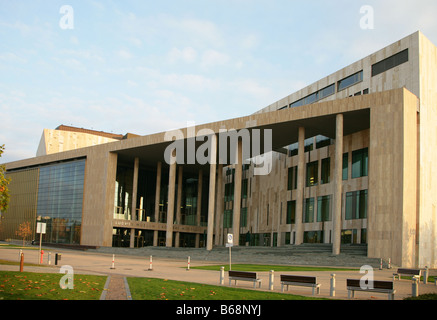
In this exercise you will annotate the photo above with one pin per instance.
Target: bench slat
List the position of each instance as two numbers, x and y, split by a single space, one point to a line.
385 285
409 271
243 274
301 279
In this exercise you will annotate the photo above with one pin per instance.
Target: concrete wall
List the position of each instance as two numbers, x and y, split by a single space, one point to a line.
53 141
427 219
392 181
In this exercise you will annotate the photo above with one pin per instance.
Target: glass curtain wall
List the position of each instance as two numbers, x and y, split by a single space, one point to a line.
60 200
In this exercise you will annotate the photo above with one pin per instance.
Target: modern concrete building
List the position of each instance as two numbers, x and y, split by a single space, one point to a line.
353 162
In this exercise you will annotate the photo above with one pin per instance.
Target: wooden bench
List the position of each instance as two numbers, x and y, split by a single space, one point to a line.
378 286
305 281
407 272
244 276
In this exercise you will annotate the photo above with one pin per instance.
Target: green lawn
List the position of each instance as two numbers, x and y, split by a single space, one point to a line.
16 263
264 268
46 286
161 289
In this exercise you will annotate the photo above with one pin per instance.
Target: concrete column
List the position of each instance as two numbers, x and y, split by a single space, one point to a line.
179 203
132 238
279 215
211 198
170 202
237 194
300 186
338 182
157 197
135 189
219 204
199 204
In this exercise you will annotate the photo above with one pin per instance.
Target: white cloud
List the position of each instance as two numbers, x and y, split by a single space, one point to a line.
250 42
125 54
12 57
74 40
212 58
187 55
253 88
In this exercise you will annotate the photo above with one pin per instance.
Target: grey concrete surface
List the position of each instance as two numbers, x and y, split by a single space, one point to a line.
172 263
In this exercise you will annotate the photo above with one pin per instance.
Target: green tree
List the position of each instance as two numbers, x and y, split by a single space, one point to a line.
4 191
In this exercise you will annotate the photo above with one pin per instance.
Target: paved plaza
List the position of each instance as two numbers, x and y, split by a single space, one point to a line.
172 264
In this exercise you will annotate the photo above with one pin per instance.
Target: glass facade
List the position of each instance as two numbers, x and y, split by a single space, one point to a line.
360 163
314 97
312 173
308 211
350 81
345 166
291 212
60 201
325 176
390 62
324 208
356 205
292 178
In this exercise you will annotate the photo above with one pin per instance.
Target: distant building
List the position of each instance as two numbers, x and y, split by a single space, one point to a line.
354 162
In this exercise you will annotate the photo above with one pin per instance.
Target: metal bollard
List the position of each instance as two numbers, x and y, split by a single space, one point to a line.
389 263
113 262
57 257
188 266
150 264
271 279
332 290
415 286
49 258
425 275
380 265
21 262
222 275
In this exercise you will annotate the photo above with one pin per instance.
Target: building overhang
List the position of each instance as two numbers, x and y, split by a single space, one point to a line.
317 119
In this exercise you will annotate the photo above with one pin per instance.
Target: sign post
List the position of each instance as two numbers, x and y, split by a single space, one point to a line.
230 244
41 229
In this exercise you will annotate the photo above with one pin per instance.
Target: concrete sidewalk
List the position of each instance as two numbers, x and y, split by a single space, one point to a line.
176 269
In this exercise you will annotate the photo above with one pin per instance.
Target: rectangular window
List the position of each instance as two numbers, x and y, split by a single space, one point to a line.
309 145
291 212
345 165
312 177
390 62
244 184
227 219
292 178
314 97
350 81
325 174
356 205
360 162
293 149
324 208
322 141
313 236
363 236
243 217
309 210
325 92
229 192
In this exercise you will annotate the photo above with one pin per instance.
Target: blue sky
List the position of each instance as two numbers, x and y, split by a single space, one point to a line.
150 66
